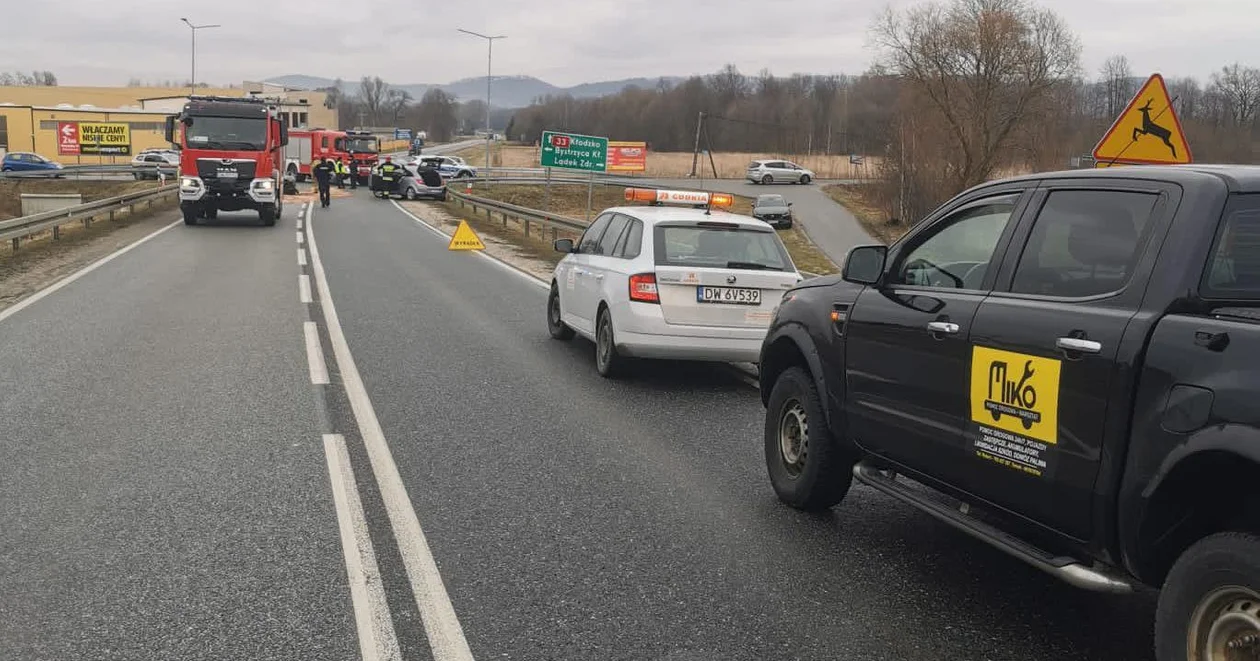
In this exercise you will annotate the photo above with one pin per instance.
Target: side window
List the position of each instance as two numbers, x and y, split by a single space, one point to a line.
615 228
959 250
1084 243
590 238
1234 270
632 241
323 142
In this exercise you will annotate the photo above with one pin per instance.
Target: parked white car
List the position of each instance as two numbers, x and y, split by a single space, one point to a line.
771 171
670 282
450 167
148 163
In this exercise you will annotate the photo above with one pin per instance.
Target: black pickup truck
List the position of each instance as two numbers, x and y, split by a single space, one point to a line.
1070 364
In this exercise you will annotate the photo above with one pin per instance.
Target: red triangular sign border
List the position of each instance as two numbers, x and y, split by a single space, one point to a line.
1124 113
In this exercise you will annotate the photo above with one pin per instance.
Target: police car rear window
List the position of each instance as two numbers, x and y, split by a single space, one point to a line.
719 245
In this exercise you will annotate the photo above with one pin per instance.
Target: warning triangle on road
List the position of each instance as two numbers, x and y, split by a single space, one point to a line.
465 238
1148 131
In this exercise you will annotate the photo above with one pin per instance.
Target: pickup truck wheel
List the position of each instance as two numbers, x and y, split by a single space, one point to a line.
806 469
1209 607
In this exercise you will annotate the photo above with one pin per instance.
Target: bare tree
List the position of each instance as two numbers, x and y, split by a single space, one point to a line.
397 102
1117 83
1239 88
33 79
436 114
984 66
373 93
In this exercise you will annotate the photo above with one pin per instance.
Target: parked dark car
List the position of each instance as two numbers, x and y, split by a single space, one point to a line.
773 209
1065 366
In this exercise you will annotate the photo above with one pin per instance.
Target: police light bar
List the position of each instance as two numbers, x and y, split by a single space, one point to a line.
659 196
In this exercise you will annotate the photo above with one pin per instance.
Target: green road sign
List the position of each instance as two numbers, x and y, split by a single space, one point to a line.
574 152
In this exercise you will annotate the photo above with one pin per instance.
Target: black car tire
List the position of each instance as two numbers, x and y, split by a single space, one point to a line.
805 179
819 475
766 180
558 329
608 362
1204 577
410 194
267 215
190 215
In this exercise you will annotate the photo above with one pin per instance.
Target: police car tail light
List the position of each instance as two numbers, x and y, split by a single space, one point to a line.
657 196
643 288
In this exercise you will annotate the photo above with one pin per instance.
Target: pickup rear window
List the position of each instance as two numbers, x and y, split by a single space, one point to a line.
1234 270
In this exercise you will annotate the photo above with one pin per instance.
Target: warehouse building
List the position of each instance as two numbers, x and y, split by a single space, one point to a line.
65 124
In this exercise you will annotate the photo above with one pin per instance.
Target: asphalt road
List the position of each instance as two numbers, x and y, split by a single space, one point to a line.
830 226
167 491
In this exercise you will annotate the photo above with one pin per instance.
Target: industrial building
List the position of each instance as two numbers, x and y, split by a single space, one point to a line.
35 119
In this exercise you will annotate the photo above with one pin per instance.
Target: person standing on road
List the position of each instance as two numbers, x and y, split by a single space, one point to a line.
323 172
343 171
354 174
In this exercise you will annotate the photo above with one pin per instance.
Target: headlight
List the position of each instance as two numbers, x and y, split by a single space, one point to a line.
264 184
191 183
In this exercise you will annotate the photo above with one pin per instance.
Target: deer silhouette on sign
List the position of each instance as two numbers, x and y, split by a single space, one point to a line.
1149 127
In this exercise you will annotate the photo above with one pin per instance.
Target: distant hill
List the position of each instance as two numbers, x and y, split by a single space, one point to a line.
508 91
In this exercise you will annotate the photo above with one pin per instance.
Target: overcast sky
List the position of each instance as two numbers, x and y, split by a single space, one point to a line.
565 42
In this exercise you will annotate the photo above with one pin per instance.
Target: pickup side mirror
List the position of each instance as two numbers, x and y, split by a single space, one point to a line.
170 129
865 264
564 245
789 204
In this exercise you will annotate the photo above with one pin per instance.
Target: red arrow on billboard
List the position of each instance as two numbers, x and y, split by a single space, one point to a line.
68 138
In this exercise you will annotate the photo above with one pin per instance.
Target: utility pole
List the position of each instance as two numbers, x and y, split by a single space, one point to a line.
192 83
489 69
695 151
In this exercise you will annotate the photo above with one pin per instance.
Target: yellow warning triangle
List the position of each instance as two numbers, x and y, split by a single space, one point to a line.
465 238
1148 131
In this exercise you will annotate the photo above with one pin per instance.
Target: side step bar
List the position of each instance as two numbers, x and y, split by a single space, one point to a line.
1064 568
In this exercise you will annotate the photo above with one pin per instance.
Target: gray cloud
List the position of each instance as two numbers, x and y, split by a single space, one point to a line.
106 42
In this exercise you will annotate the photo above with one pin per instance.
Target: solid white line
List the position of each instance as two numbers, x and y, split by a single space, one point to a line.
304 288
377 639
301 257
315 354
529 277
33 298
299 238
441 626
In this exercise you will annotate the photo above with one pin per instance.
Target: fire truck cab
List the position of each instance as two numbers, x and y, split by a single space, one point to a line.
231 151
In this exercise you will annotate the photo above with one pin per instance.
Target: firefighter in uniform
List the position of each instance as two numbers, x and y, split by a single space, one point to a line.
343 171
389 173
323 173
354 172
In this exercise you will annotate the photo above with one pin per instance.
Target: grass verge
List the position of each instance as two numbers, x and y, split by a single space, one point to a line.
873 219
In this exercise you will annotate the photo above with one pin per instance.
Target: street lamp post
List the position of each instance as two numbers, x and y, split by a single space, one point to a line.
192 84
489 62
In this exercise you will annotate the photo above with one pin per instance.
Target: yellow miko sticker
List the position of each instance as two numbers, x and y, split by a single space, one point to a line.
1015 392
465 238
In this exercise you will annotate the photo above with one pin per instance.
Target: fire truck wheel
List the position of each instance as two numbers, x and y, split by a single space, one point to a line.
268 215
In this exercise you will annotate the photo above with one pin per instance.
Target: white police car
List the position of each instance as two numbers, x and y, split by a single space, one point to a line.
670 282
450 167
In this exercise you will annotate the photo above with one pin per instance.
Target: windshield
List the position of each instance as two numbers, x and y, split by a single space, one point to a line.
771 201
226 133
362 145
720 246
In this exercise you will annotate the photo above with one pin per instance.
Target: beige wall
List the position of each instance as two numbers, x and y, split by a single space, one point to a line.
34 129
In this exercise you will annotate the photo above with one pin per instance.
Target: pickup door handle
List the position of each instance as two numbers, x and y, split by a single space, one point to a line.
942 327
1078 345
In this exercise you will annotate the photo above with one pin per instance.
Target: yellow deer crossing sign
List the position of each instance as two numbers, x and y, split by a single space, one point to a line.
1148 132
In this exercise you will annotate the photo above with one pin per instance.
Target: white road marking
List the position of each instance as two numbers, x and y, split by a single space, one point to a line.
304 288
299 222
299 238
33 298
377 639
441 626
301 257
315 354
529 277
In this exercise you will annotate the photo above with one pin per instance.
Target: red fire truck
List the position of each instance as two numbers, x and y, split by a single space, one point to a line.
231 155
364 149
308 145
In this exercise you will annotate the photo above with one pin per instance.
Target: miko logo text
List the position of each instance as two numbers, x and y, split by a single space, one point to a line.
1013 398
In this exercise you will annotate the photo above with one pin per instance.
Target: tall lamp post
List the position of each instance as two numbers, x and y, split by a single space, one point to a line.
192 84
489 62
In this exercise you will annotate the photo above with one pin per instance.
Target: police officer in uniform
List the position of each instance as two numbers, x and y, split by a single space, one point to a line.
323 172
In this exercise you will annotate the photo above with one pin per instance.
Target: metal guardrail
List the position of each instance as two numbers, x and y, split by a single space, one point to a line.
81 171
525 216
17 229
